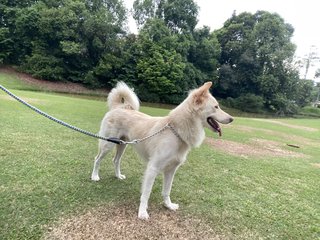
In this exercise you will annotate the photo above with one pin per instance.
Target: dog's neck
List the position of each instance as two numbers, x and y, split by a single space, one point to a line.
187 124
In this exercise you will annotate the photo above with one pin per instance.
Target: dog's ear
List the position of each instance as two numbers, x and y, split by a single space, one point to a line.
206 86
202 93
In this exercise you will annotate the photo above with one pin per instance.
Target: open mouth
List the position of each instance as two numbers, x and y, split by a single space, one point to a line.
215 126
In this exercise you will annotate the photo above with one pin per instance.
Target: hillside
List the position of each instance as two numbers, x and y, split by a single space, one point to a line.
30 82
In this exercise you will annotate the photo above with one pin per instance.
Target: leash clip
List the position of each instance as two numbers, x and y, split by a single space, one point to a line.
116 141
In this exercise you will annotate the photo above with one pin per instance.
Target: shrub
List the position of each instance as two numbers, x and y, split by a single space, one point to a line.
248 103
45 67
310 111
91 81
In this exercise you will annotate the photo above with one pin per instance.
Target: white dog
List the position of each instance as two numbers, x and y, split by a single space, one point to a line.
170 137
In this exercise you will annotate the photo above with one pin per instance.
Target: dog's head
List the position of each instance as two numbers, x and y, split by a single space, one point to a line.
208 108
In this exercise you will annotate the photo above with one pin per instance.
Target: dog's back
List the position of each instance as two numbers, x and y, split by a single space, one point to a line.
123 97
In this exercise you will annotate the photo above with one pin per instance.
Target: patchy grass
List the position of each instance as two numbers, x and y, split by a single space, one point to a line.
45 171
120 222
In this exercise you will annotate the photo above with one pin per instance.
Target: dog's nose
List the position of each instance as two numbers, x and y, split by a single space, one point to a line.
230 119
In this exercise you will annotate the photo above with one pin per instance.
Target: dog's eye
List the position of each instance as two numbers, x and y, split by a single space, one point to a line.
216 107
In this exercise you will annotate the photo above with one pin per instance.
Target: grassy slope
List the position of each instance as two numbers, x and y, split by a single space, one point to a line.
45 172
12 82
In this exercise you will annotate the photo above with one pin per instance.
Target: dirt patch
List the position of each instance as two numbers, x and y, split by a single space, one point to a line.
62 87
122 223
317 165
255 148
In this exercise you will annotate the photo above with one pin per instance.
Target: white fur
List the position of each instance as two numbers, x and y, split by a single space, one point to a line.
165 152
123 96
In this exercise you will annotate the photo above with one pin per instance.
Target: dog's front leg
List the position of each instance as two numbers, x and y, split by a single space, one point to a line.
167 185
148 180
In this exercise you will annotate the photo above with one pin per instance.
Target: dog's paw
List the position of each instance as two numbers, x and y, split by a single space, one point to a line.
172 206
121 176
143 215
95 178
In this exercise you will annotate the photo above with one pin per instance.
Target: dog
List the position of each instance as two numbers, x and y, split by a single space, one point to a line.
166 141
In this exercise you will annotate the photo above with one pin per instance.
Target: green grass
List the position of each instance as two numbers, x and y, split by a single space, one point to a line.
45 173
12 82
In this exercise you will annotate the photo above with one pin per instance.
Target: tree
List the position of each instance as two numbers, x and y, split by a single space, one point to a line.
239 67
256 58
5 44
144 10
178 15
159 67
204 53
66 39
159 73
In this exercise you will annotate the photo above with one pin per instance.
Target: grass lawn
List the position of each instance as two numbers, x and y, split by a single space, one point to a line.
268 190
12 82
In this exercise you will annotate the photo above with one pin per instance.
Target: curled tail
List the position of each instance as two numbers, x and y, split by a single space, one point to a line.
123 97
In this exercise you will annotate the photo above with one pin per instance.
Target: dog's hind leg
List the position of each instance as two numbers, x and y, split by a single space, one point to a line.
167 185
104 148
117 161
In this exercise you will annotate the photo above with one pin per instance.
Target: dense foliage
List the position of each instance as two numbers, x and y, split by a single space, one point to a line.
86 41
